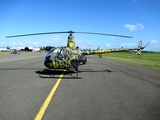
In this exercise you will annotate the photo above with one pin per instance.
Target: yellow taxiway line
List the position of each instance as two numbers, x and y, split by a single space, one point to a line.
48 99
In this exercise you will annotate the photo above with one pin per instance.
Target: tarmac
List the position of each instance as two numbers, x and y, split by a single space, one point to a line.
104 90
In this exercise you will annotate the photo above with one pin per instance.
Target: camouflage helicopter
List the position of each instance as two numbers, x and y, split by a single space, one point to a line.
69 57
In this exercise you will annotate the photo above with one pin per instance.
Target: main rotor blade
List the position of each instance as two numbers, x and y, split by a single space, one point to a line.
67 32
105 34
36 34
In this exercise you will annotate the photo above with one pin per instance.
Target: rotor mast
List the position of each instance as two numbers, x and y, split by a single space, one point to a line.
71 42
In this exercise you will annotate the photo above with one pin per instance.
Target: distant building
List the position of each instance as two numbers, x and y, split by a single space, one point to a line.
3 49
16 48
34 49
31 48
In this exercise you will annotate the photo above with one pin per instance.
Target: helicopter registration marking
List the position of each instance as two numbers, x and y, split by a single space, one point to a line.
48 99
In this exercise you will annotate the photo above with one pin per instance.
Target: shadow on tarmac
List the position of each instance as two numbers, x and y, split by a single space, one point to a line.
72 75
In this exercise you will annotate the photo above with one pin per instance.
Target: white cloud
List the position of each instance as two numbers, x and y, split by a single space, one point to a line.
56 41
154 41
129 45
1 43
134 27
113 38
107 45
155 44
25 43
140 26
35 43
130 27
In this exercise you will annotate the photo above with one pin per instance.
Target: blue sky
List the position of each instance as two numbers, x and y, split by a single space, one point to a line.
136 18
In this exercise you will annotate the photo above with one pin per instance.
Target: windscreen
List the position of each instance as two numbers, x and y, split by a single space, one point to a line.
52 53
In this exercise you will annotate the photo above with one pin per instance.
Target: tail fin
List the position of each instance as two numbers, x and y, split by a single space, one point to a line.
140 44
140 48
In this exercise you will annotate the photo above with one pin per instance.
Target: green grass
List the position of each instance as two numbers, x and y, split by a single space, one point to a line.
4 53
149 59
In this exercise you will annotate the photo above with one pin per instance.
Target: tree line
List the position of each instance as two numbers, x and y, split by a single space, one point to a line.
47 48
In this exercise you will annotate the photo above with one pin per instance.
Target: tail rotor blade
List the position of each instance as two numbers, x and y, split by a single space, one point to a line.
146 45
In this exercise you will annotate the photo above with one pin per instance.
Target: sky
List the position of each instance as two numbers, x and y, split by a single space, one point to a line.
136 18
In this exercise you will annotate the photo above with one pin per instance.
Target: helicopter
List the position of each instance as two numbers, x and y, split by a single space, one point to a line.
69 57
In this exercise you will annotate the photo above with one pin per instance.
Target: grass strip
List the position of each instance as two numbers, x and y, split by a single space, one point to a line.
148 59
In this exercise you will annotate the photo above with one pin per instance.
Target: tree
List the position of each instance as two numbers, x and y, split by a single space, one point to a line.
26 48
8 47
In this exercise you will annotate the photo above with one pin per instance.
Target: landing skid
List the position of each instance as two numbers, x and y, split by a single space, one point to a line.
54 73
76 77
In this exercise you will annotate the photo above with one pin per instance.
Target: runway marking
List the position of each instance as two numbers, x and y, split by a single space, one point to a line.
48 99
